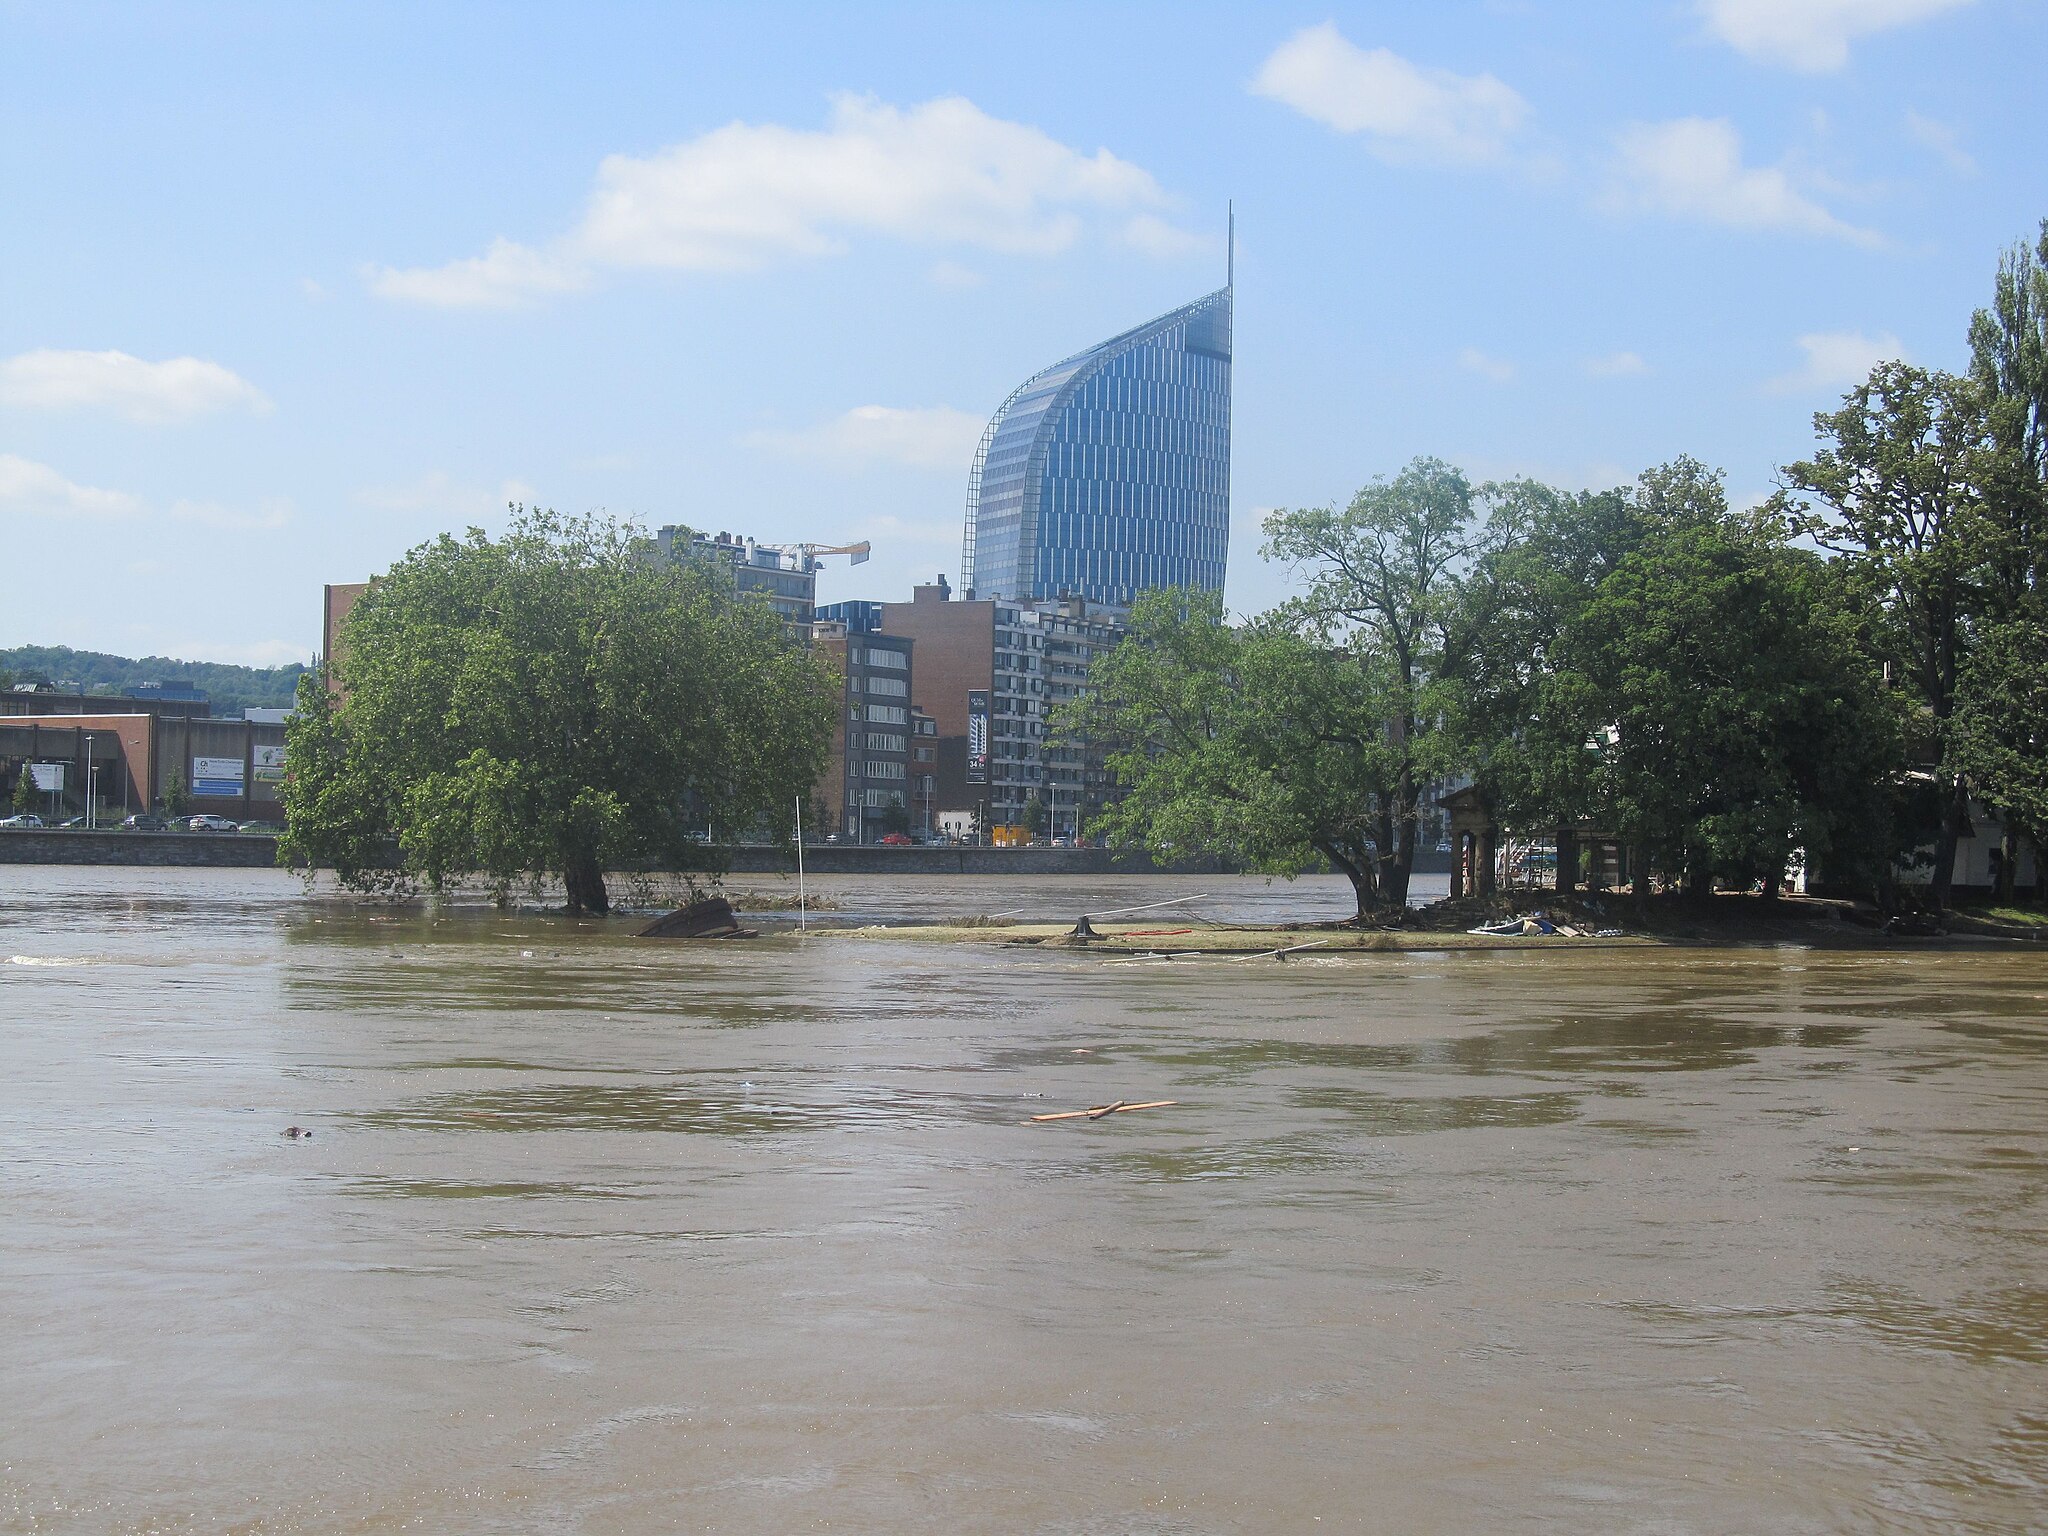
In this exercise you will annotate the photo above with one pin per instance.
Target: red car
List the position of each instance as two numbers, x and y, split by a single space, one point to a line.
895 840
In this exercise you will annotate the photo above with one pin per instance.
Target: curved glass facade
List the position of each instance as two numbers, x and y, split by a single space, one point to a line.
1109 472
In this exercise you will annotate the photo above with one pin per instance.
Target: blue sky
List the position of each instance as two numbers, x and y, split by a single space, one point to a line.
285 290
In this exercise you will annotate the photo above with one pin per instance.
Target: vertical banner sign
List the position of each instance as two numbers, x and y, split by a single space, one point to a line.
217 778
977 735
269 765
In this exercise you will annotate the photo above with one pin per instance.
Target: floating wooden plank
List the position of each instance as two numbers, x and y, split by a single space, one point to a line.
1118 1108
1275 954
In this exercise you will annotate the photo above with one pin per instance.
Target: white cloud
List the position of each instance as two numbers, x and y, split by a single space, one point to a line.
1837 360
505 276
1408 112
950 274
33 490
447 499
1497 369
1943 140
268 514
1616 365
173 390
1692 168
737 197
1150 235
1810 35
928 437
36 490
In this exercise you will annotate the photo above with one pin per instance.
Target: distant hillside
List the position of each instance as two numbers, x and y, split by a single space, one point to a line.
230 689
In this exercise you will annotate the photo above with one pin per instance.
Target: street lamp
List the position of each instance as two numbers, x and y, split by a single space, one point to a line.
88 780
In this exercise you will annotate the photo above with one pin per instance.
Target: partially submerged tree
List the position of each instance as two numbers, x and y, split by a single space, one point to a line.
549 703
1251 742
1383 580
1721 713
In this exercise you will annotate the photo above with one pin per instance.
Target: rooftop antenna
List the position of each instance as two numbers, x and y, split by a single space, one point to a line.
1230 247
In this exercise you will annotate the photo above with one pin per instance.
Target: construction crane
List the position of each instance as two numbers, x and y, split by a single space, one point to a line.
808 555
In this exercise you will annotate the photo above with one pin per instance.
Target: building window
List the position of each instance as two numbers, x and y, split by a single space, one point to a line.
888 714
892 687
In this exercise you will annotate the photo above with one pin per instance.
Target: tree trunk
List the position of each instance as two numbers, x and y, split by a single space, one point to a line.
1397 876
1945 841
1359 873
585 881
1699 877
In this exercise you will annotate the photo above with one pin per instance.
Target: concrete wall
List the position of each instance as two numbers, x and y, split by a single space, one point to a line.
250 851
224 850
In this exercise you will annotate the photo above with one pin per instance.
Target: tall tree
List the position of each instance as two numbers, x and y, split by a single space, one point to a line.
1720 710
1998 725
1547 552
1903 485
1253 742
1383 579
553 702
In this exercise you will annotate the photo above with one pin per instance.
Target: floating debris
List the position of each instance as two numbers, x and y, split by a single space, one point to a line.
1101 1110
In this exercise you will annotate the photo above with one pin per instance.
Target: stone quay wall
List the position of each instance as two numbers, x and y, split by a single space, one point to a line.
248 850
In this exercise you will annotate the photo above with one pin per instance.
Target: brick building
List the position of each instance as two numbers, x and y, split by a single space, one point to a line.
870 782
988 672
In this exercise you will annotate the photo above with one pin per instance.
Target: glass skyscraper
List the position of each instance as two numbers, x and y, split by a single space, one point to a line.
1109 473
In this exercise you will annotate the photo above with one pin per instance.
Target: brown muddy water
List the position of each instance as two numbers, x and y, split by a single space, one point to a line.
602 1236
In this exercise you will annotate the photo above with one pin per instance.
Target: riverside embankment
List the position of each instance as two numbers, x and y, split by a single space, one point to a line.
245 850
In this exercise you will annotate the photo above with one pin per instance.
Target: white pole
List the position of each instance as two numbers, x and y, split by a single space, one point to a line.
802 906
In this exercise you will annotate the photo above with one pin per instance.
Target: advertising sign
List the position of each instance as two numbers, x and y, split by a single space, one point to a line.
218 778
48 776
269 765
977 735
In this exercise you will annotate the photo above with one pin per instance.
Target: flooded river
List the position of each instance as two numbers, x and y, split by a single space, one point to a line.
597 1235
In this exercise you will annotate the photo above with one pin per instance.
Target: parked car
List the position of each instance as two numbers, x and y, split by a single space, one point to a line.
79 823
145 821
267 828
896 840
23 822
210 823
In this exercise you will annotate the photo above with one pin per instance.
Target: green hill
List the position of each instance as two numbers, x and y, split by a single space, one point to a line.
229 688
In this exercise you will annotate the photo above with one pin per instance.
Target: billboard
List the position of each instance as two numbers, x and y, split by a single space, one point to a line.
48 776
218 778
977 735
269 765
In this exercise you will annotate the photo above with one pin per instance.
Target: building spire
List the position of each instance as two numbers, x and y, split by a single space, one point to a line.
1230 247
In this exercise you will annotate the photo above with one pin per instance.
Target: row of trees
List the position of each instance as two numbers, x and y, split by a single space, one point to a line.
552 703
1839 671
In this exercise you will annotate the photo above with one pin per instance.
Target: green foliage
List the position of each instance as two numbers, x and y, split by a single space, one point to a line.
1035 816
1999 738
24 791
1916 488
229 689
549 703
1253 742
177 800
1384 578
